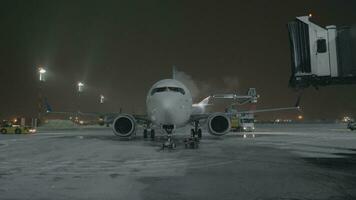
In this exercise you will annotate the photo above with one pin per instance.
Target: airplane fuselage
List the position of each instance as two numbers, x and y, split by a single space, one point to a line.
169 102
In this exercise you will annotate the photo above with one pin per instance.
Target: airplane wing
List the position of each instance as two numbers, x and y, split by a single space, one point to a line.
268 110
108 117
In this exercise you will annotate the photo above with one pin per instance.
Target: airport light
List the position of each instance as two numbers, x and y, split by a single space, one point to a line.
346 119
80 87
102 98
42 73
42 78
300 117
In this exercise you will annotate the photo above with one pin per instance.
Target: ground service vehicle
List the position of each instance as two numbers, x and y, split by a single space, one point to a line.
247 122
9 128
242 122
351 126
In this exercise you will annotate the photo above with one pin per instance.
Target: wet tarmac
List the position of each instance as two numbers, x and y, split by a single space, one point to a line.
283 161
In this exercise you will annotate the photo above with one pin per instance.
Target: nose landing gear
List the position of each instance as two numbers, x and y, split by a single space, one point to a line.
169 143
149 131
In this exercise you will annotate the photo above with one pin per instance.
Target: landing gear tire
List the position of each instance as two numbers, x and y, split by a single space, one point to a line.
192 143
168 145
199 134
192 132
145 133
153 134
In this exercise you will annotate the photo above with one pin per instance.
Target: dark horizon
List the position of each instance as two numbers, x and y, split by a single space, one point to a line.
119 49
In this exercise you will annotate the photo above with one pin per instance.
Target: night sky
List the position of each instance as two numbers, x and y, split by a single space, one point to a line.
120 48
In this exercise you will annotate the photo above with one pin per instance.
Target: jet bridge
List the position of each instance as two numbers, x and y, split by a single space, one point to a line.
321 56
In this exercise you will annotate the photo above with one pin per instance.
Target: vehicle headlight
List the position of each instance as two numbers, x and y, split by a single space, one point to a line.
32 130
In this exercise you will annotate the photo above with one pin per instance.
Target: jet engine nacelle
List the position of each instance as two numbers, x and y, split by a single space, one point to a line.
124 125
219 124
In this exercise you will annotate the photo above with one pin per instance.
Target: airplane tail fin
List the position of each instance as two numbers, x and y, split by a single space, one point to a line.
205 101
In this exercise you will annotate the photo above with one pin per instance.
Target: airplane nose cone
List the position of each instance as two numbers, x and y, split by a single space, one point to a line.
168 110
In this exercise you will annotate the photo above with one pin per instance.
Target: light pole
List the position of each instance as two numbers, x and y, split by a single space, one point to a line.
80 87
42 72
102 98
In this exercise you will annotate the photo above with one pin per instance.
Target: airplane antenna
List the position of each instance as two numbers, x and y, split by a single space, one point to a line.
174 69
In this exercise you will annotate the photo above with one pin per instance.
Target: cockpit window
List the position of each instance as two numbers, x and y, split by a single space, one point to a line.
166 89
177 89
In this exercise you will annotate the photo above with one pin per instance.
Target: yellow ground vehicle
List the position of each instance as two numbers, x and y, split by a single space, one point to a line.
235 123
6 128
243 123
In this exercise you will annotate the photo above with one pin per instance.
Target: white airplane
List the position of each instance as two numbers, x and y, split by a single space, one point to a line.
169 106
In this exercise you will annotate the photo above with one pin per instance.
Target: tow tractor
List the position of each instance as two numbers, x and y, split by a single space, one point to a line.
9 128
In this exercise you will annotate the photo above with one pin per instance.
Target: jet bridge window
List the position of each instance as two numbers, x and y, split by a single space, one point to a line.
165 89
321 46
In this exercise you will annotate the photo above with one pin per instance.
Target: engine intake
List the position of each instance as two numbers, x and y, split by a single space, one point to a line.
124 125
219 124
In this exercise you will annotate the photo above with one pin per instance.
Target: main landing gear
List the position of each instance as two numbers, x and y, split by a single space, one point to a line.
169 143
148 130
195 135
151 132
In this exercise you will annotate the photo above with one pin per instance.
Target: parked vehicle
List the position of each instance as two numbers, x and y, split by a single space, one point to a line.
351 125
9 128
